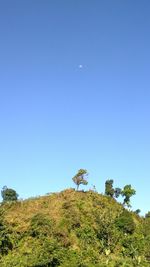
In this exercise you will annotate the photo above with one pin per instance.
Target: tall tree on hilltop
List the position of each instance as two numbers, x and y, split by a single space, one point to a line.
127 193
109 190
80 178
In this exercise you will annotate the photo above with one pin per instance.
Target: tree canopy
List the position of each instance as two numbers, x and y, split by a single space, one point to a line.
8 194
80 178
127 193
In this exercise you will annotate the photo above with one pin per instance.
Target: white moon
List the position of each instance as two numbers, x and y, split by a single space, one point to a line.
80 66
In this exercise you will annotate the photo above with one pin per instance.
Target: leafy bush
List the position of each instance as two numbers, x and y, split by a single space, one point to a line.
125 222
40 225
5 240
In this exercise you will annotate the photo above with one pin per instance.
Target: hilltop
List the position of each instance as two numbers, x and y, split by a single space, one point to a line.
74 229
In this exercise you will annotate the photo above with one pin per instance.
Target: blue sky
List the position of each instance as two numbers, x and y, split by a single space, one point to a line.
55 117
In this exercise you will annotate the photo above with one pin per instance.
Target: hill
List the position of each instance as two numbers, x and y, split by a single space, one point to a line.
72 229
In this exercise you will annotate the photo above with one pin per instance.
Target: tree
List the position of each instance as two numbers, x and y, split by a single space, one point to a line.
127 193
117 192
80 178
109 190
125 222
137 211
9 194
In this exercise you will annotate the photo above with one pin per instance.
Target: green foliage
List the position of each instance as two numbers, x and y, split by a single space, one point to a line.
73 229
8 194
138 211
127 193
34 253
109 190
80 178
117 192
40 225
86 234
125 222
5 240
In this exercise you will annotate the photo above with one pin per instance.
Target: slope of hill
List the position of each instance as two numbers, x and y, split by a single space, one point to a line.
74 229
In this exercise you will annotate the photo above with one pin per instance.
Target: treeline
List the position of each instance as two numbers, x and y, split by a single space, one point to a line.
81 178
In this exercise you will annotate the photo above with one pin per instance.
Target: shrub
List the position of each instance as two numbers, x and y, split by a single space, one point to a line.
40 225
125 222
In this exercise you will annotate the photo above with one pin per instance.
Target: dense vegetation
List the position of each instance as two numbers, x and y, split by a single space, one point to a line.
72 229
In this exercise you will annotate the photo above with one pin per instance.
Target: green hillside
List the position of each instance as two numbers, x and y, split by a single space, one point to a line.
72 229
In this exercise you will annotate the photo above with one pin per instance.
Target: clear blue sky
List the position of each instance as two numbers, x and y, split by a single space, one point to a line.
55 117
